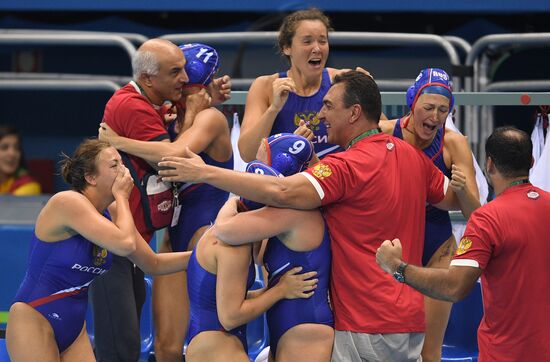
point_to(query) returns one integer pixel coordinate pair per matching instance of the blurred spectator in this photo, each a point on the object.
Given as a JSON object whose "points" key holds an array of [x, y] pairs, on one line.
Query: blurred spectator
{"points": [[14, 177]]}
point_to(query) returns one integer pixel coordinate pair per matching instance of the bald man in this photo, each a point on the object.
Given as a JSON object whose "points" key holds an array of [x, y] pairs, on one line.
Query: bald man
{"points": [[136, 111]]}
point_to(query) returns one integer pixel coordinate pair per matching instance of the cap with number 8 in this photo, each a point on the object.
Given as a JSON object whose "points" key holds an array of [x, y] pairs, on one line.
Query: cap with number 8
{"points": [[259, 168]]}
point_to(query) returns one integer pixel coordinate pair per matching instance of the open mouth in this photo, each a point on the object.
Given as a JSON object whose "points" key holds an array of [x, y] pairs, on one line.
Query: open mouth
{"points": [[430, 127], [315, 62]]}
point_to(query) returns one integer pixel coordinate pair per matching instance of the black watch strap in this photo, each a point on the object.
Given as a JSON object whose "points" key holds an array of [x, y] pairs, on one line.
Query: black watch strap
{"points": [[399, 274]]}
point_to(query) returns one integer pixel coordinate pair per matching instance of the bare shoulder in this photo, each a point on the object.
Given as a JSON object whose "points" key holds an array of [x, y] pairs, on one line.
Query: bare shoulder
{"points": [[234, 253], [59, 211], [66, 199], [265, 80], [454, 141], [387, 126], [211, 115], [260, 90]]}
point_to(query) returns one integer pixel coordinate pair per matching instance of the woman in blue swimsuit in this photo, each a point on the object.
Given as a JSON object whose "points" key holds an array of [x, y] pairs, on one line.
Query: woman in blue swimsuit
{"points": [[75, 234], [299, 329], [431, 99]]}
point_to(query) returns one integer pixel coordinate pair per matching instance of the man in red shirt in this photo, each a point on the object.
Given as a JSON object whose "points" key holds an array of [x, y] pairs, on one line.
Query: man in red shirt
{"points": [[378, 186], [507, 248], [135, 111]]}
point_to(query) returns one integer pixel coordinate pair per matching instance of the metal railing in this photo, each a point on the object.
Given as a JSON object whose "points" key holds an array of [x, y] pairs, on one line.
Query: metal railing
{"points": [[479, 122], [135, 38], [336, 38], [59, 84], [120, 80], [461, 98], [71, 39]]}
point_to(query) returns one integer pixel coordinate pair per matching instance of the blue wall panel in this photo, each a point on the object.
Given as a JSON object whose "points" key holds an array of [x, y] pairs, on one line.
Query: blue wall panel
{"points": [[254, 5], [14, 246]]}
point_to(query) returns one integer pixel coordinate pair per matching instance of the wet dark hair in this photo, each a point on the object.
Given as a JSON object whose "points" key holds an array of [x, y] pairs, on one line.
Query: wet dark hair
{"points": [[361, 89], [83, 162], [290, 24], [511, 150]]}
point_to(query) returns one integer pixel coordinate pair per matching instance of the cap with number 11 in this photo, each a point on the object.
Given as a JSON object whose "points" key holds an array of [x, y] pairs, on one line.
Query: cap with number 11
{"points": [[202, 62]]}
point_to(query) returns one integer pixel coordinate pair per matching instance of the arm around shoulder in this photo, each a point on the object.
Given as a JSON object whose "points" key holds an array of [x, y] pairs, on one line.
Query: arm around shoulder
{"points": [[209, 124]]}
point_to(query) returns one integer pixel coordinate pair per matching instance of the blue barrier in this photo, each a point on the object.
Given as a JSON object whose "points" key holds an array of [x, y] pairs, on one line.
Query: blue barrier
{"points": [[4, 357], [257, 334], [460, 343], [14, 246], [146, 323]]}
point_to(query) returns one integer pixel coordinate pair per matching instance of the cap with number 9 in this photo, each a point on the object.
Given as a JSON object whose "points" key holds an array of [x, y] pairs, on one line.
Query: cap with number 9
{"points": [[202, 62], [288, 153]]}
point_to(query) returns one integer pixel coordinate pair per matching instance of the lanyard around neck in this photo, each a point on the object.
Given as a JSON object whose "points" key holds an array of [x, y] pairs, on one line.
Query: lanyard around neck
{"points": [[365, 134]]}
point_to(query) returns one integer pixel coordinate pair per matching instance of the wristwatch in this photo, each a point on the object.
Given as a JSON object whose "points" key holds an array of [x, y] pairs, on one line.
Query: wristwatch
{"points": [[399, 274]]}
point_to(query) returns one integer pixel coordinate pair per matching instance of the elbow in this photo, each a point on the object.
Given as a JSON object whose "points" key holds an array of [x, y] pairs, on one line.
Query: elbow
{"points": [[228, 323], [279, 200], [457, 294], [173, 152], [246, 156], [245, 150], [128, 247], [283, 197], [223, 233]]}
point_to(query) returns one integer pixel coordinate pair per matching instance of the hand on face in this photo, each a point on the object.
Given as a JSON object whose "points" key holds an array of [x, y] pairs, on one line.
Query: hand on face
{"points": [[198, 101], [123, 184], [388, 255], [297, 285], [281, 88], [190, 168]]}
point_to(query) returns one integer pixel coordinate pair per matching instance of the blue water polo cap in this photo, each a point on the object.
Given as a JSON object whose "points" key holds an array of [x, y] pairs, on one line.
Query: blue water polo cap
{"points": [[260, 168], [288, 153], [202, 63], [432, 81]]}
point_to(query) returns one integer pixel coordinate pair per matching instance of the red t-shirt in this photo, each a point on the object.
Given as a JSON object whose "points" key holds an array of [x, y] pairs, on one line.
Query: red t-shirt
{"points": [[508, 239], [375, 190], [131, 115]]}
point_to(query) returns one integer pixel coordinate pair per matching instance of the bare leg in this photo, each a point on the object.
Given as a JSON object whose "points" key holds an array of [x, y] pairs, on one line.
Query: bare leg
{"points": [[307, 343], [215, 346], [437, 311], [29, 336], [171, 309], [81, 349], [170, 312]]}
